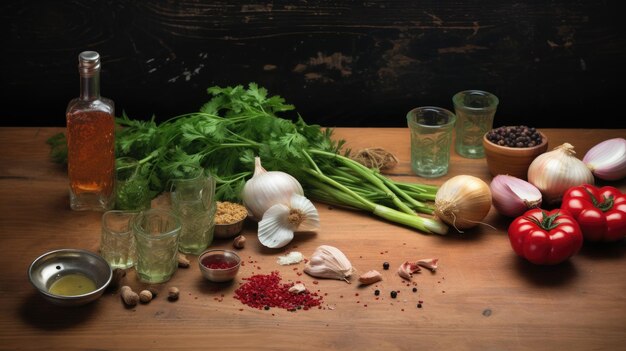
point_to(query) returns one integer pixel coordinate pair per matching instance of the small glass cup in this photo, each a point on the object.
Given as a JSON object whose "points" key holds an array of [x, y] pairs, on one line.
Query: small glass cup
{"points": [[431, 137], [132, 192], [193, 201], [475, 110], [117, 243], [156, 234]]}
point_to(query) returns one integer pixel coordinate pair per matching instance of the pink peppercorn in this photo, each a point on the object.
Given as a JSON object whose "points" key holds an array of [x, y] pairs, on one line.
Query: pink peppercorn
{"points": [[267, 290]]}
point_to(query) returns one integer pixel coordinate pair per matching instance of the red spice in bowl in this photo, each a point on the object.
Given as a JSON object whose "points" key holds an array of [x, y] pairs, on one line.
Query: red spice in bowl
{"points": [[219, 265]]}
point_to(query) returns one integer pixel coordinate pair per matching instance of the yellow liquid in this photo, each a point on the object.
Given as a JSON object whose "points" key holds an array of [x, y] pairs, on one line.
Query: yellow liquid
{"points": [[72, 284]]}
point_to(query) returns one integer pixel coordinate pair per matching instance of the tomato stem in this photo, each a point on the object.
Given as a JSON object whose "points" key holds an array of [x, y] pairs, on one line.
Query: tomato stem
{"points": [[547, 222], [605, 205]]}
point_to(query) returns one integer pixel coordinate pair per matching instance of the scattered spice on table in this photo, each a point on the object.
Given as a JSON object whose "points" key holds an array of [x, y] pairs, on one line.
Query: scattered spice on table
{"points": [[263, 290]]}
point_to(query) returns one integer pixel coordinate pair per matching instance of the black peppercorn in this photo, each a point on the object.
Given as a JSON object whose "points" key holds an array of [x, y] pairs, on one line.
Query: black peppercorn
{"points": [[414, 289], [385, 265], [376, 292], [515, 136], [394, 294]]}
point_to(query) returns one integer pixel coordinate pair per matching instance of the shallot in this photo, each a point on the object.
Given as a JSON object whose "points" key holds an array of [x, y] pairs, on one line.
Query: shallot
{"points": [[607, 160], [512, 196]]}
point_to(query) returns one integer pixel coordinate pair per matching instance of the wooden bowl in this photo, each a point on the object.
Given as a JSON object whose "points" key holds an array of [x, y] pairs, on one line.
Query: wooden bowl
{"points": [[513, 161]]}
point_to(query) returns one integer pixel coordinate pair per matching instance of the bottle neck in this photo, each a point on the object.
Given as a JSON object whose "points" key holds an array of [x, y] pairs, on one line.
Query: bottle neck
{"points": [[90, 86]]}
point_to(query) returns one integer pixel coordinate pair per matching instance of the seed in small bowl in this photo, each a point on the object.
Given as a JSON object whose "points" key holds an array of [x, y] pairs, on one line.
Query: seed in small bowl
{"points": [[229, 218]]}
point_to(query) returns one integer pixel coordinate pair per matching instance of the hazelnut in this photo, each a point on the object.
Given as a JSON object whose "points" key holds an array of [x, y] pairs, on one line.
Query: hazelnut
{"points": [[145, 296], [239, 242], [172, 293]]}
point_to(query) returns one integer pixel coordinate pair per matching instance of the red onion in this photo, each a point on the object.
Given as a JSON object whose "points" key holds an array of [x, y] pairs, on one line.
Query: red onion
{"points": [[513, 196], [607, 160]]}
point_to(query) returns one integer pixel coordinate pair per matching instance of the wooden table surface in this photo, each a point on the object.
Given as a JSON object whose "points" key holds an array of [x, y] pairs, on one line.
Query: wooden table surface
{"points": [[482, 297]]}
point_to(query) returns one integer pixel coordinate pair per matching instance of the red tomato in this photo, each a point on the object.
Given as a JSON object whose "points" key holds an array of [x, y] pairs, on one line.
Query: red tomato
{"points": [[544, 237], [600, 212]]}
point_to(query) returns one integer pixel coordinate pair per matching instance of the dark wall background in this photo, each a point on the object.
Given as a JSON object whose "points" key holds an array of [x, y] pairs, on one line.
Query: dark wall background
{"points": [[342, 63]]}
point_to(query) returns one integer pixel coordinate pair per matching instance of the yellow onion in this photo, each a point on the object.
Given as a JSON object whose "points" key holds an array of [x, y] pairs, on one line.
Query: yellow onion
{"points": [[463, 201], [556, 171]]}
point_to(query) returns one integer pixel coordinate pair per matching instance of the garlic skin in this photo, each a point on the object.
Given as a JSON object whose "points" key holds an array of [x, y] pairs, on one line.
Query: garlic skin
{"points": [[407, 269], [329, 262], [607, 160], [429, 263], [512, 196], [556, 171], [281, 221], [266, 189]]}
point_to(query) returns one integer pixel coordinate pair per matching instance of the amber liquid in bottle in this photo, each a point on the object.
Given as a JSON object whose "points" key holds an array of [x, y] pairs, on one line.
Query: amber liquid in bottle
{"points": [[91, 141]]}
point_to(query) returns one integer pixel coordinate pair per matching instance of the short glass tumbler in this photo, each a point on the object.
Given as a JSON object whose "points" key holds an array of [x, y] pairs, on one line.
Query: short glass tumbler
{"points": [[193, 201], [117, 242], [431, 137], [475, 110], [156, 234]]}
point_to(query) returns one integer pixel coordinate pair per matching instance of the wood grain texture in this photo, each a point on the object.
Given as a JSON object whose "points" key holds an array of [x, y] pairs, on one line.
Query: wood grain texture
{"points": [[482, 297], [342, 63]]}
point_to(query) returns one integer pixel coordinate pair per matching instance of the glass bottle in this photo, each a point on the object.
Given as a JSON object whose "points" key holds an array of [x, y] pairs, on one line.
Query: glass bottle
{"points": [[90, 141]]}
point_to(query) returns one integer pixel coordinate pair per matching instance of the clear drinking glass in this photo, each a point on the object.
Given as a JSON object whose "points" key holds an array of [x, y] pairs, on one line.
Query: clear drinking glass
{"points": [[193, 201], [131, 189], [156, 234], [117, 243], [475, 110], [431, 137]]}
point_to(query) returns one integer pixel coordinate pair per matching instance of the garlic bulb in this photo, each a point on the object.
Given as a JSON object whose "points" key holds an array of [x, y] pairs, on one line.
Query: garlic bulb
{"points": [[281, 221], [463, 201], [329, 262], [266, 189], [556, 171], [607, 160]]}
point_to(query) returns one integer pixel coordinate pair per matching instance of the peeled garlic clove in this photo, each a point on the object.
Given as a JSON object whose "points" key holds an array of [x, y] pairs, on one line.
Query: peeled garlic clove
{"points": [[407, 269], [273, 231], [329, 262], [297, 288], [370, 277], [429, 263]]}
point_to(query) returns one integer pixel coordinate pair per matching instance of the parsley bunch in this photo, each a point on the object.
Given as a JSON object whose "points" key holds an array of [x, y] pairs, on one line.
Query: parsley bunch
{"points": [[239, 123]]}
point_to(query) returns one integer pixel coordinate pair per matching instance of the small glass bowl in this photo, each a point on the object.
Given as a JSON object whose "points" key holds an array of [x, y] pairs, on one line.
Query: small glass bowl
{"points": [[230, 259]]}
